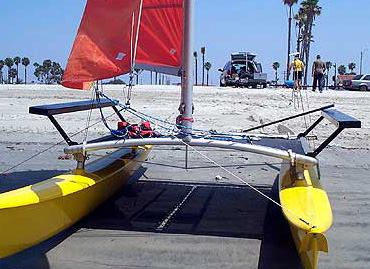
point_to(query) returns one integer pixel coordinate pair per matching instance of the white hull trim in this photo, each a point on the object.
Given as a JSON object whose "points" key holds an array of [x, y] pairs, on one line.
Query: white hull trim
{"points": [[195, 142]]}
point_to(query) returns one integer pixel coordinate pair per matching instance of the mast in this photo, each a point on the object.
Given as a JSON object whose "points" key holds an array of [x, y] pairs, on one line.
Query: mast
{"points": [[187, 86]]}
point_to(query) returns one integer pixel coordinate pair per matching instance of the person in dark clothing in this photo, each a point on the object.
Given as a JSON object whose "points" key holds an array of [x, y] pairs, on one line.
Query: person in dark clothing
{"points": [[318, 69]]}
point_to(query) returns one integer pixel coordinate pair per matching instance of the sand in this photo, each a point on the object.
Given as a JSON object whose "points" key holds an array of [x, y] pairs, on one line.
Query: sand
{"points": [[344, 167]]}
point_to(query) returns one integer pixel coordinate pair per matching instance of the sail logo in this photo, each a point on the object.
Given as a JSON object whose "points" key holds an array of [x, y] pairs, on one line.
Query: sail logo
{"points": [[120, 56], [173, 51]]}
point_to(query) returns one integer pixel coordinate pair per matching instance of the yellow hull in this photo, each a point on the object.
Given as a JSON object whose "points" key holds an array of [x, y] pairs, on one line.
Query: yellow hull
{"points": [[306, 206], [34, 213]]}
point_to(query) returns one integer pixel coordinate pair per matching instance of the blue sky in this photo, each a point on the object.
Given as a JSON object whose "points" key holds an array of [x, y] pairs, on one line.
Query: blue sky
{"points": [[45, 29]]}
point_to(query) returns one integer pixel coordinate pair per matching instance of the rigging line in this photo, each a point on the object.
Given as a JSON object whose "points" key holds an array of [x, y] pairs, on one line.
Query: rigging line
{"points": [[129, 88], [132, 34], [246, 183], [310, 118], [116, 133], [144, 116], [89, 113], [52, 146], [134, 50], [137, 34]]}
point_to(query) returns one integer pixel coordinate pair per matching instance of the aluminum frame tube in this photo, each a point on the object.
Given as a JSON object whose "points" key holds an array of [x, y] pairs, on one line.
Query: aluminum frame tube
{"points": [[195, 142]]}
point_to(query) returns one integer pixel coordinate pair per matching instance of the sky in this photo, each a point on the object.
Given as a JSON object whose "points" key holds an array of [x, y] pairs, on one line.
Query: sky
{"points": [[45, 29]]}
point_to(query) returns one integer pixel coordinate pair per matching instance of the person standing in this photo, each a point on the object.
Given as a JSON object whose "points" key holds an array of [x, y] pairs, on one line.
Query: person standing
{"points": [[298, 67], [318, 69]]}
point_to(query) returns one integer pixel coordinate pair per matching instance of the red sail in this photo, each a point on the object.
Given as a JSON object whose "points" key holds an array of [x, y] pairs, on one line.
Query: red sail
{"points": [[161, 36], [107, 34]]}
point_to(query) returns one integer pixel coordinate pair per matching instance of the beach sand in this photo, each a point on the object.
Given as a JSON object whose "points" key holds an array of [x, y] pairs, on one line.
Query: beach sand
{"points": [[230, 230]]}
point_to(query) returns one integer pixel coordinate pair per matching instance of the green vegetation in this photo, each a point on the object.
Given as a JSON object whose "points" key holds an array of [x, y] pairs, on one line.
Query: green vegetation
{"points": [[328, 66], [25, 62], [342, 69], [1, 71], [305, 18], [276, 66], [9, 62], [17, 61], [208, 67], [196, 66], [352, 66], [203, 52], [289, 3], [116, 81], [49, 72]]}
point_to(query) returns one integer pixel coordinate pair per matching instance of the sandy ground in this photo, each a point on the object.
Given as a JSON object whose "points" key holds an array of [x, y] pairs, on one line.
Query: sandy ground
{"points": [[230, 232]]}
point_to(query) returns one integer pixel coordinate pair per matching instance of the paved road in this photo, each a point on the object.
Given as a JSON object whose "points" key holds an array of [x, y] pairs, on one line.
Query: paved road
{"points": [[203, 218], [176, 218]]}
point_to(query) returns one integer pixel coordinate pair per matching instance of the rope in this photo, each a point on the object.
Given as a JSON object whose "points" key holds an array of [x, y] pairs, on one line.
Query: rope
{"points": [[133, 51], [151, 119], [249, 185], [89, 115], [49, 148], [116, 133], [137, 35]]}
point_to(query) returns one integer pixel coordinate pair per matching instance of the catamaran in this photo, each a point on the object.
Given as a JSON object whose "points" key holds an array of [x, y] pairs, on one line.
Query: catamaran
{"points": [[115, 38]]}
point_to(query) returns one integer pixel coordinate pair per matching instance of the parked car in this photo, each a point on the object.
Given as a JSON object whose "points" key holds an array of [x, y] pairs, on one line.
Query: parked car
{"points": [[359, 82], [242, 71]]}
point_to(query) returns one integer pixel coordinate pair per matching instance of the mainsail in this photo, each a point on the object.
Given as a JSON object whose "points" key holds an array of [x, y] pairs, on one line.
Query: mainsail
{"points": [[111, 33]]}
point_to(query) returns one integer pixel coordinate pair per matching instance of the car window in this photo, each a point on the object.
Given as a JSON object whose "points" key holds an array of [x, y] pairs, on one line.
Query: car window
{"points": [[227, 66], [238, 66], [358, 77], [367, 77]]}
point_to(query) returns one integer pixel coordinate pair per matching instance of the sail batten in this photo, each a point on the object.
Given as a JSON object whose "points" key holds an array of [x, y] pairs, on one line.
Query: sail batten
{"points": [[116, 36]]}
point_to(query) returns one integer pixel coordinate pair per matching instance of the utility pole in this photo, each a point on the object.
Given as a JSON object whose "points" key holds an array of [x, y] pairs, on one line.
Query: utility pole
{"points": [[203, 51], [335, 75], [289, 37], [196, 67], [362, 54]]}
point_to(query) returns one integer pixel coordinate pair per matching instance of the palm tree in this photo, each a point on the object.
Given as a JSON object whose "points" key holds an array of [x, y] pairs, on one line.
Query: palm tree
{"points": [[196, 66], [309, 9], [276, 66], [9, 63], [17, 61], [1, 70], [203, 51], [328, 66], [301, 20], [13, 74], [25, 62], [341, 69], [208, 67], [289, 3], [352, 66]]}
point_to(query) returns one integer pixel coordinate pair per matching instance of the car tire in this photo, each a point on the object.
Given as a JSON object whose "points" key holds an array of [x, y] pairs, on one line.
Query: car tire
{"points": [[363, 88]]}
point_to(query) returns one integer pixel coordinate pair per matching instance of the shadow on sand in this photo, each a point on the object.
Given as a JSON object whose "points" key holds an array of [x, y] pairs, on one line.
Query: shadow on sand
{"points": [[222, 210]]}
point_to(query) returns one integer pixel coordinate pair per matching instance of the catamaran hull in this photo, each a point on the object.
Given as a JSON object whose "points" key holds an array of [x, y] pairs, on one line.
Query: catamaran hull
{"points": [[306, 207], [34, 213]]}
